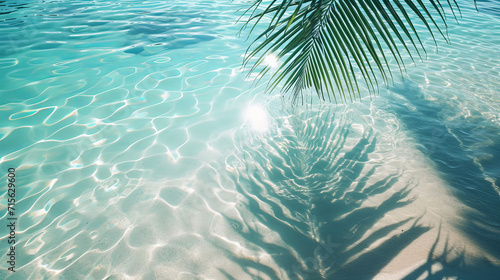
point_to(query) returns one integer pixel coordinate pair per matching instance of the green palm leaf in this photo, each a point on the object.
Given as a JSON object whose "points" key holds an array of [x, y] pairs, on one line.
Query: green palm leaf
{"points": [[326, 46]]}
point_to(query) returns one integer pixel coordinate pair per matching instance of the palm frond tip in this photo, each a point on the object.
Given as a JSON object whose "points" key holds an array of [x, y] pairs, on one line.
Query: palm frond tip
{"points": [[327, 45]]}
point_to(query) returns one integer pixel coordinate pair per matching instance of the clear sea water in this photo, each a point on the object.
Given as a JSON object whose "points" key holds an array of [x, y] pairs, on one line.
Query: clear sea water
{"points": [[143, 151]]}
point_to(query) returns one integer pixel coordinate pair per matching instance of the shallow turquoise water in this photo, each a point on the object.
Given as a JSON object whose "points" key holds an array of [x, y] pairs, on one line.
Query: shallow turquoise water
{"points": [[141, 149]]}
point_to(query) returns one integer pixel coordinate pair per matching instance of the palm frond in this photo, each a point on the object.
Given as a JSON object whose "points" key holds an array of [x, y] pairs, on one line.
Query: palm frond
{"points": [[328, 45]]}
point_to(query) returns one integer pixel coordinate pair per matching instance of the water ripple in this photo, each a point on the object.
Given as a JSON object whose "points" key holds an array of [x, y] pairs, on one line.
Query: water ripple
{"points": [[129, 128]]}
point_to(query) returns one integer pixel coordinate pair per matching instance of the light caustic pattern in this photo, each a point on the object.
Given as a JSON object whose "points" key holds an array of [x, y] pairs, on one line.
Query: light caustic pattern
{"points": [[143, 150]]}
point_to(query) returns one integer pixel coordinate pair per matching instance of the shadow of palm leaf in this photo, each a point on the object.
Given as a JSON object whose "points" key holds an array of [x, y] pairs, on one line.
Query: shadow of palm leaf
{"points": [[314, 200], [452, 148]]}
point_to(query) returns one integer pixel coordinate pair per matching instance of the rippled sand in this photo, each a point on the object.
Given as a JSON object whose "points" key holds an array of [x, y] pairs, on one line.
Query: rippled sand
{"points": [[144, 152]]}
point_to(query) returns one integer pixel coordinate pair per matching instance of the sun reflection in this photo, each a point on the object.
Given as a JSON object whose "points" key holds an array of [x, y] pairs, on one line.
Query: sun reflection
{"points": [[271, 60], [257, 117]]}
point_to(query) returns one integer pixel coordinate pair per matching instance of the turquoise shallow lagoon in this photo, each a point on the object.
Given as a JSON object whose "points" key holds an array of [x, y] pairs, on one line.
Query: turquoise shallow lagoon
{"points": [[143, 151]]}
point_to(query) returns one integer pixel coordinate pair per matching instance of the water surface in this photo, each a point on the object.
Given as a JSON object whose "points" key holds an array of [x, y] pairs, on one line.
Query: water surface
{"points": [[143, 151]]}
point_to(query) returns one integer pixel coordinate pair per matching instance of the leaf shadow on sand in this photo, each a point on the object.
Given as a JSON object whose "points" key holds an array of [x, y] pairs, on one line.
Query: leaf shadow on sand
{"points": [[447, 264], [453, 148], [313, 197]]}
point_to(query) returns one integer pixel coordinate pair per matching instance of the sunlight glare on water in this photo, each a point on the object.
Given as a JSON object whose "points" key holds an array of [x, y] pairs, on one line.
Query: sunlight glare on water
{"points": [[272, 61], [257, 117]]}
